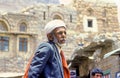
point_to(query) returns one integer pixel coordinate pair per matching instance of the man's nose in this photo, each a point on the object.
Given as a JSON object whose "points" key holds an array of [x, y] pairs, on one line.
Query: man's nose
{"points": [[64, 35]]}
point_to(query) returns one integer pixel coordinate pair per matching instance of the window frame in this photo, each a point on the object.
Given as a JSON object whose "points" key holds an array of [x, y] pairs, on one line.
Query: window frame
{"points": [[94, 27], [3, 45], [24, 44]]}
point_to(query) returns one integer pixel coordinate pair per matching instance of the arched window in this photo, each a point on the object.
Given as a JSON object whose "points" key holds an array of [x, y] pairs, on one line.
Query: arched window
{"points": [[23, 27], [90, 11], [57, 17], [3, 26]]}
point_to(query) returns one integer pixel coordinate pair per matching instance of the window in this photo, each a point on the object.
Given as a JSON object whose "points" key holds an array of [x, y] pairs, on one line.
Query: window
{"points": [[104, 13], [3, 26], [23, 44], [4, 43], [104, 23], [90, 23], [44, 17], [23, 27], [70, 18]]}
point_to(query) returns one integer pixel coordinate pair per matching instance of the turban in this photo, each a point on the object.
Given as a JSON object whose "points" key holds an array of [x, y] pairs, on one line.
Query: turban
{"points": [[50, 26]]}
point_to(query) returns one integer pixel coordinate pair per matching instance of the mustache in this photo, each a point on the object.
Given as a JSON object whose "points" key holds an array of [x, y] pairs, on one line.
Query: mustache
{"points": [[63, 39]]}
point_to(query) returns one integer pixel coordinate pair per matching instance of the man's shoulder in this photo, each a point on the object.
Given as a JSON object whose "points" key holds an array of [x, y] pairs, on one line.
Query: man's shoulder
{"points": [[46, 44]]}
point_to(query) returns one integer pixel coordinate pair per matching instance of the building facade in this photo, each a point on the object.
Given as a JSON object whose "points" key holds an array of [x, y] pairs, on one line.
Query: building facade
{"points": [[21, 33], [98, 34], [93, 31]]}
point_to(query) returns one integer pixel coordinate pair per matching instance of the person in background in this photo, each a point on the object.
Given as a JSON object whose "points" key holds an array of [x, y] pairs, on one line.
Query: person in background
{"points": [[49, 60], [96, 73]]}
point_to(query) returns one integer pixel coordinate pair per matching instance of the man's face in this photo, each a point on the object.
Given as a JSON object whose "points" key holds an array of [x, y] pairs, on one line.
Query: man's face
{"points": [[97, 75], [60, 35]]}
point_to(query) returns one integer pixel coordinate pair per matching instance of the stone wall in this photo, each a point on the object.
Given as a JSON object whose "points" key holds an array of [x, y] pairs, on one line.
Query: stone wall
{"points": [[105, 21], [105, 14]]}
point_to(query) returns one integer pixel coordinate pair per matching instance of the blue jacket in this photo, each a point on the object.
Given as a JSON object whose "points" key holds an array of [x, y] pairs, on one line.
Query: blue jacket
{"points": [[46, 63]]}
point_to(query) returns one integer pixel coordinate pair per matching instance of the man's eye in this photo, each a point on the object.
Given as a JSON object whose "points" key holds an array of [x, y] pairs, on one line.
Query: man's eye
{"points": [[61, 32], [98, 75]]}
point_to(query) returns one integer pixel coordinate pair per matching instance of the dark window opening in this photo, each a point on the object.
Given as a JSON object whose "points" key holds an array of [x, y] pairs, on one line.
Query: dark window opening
{"points": [[70, 18], [90, 23], [44, 15]]}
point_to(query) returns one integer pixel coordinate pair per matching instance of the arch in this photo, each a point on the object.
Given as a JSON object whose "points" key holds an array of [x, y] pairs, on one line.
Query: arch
{"points": [[22, 25], [57, 15], [90, 11], [4, 25]]}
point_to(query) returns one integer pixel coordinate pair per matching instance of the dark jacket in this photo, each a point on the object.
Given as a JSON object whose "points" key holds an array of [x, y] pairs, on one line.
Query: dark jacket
{"points": [[46, 63]]}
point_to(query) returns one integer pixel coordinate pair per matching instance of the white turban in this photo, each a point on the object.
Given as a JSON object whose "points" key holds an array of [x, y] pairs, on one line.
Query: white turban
{"points": [[50, 26]]}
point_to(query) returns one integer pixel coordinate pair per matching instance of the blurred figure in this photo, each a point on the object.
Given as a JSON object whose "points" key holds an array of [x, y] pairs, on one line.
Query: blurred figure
{"points": [[96, 73]]}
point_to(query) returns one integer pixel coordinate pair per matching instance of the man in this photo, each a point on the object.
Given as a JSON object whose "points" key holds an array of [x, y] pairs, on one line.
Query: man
{"points": [[96, 73], [49, 61]]}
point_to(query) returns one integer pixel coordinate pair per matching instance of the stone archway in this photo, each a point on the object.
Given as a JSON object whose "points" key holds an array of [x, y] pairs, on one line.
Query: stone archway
{"points": [[57, 15], [23, 24], [3, 26]]}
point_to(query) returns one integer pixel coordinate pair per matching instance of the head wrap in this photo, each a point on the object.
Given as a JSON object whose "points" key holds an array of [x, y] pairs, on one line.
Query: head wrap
{"points": [[50, 26], [96, 70]]}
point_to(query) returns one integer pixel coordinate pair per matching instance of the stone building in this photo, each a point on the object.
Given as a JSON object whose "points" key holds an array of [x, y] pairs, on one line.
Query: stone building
{"points": [[97, 34], [93, 31], [16, 40]]}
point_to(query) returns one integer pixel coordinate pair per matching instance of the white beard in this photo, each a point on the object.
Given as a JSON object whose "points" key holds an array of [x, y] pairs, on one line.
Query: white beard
{"points": [[56, 42]]}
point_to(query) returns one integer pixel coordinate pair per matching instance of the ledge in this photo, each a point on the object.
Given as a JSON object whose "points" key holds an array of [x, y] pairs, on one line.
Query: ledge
{"points": [[11, 75]]}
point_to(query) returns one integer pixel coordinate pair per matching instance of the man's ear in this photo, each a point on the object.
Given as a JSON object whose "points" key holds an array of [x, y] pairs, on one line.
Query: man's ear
{"points": [[50, 37]]}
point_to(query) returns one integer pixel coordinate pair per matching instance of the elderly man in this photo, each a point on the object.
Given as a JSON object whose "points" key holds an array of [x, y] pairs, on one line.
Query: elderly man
{"points": [[96, 73], [48, 60]]}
